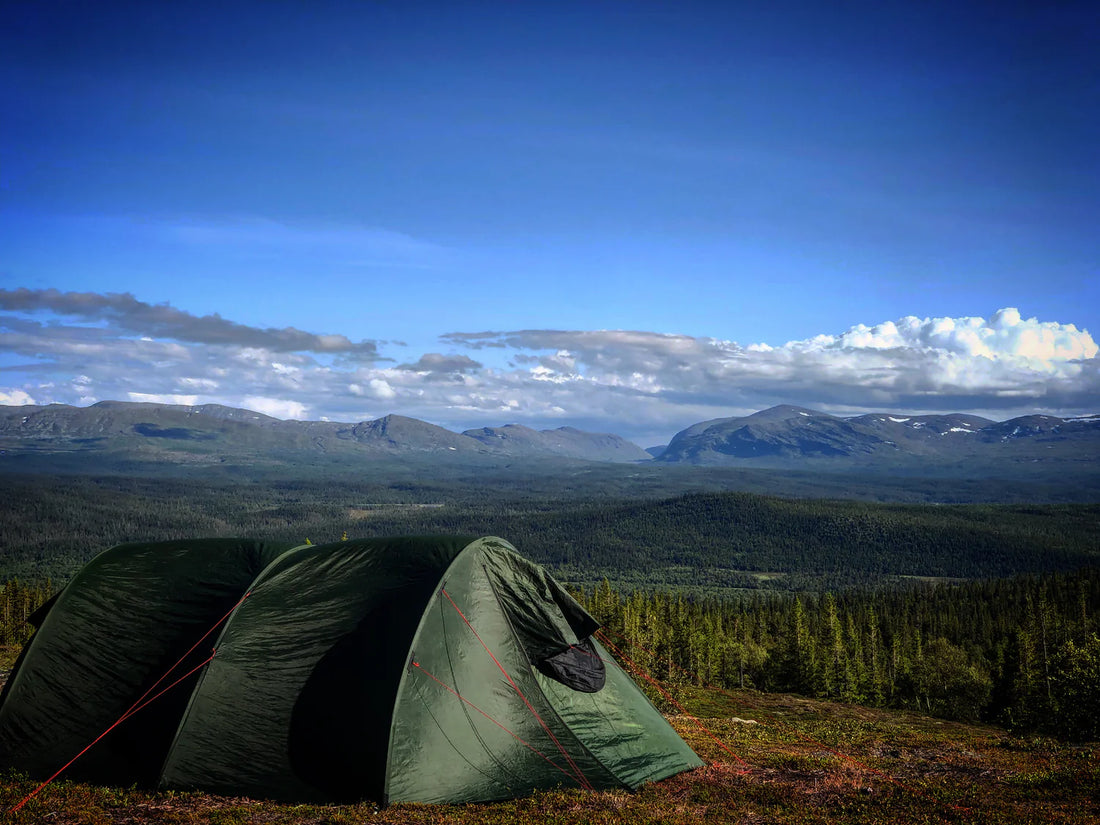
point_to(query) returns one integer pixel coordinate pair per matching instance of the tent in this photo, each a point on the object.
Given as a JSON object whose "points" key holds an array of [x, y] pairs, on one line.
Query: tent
{"points": [[410, 669]]}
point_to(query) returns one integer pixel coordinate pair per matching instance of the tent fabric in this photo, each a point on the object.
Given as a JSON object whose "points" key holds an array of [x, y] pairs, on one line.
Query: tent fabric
{"points": [[121, 622], [408, 669]]}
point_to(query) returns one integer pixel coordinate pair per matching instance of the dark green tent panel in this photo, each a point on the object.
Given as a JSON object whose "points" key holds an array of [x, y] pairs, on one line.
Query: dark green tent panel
{"points": [[120, 624], [428, 669]]}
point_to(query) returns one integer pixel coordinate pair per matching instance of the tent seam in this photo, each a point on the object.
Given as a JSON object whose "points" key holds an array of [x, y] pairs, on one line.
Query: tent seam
{"points": [[454, 747]]}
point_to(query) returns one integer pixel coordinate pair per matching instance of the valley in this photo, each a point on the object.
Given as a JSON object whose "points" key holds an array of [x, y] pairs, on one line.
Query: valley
{"points": [[765, 588]]}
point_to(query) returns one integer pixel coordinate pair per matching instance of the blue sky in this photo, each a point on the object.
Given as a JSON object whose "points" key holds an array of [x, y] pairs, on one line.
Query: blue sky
{"points": [[619, 216]]}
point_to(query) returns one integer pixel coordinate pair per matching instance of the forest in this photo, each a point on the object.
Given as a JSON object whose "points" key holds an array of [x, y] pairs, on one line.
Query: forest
{"points": [[966, 611], [1023, 652], [700, 542]]}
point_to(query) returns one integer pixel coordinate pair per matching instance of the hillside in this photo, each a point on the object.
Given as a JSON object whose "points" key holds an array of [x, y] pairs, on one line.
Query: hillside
{"points": [[789, 436], [50, 525], [142, 438], [771, 759], [139, 433]]}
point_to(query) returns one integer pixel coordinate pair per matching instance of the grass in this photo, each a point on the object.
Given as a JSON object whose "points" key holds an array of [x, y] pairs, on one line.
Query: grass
{"points": [[805, 762]]}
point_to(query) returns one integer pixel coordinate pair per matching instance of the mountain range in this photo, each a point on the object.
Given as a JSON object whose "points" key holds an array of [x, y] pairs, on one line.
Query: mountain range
{"points": [[784, 437], [189, 434]]}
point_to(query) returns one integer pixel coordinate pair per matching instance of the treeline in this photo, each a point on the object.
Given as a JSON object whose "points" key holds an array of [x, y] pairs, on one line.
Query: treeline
{"points": [[1023, 652], [18, 600]]}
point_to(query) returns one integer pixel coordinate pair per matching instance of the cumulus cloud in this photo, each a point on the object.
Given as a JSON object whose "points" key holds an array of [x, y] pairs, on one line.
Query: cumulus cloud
{"points": [[126, 313], [374, 388], [1005, 336], [275, 407], [15, 398], [1003, 362], [636, 383]]}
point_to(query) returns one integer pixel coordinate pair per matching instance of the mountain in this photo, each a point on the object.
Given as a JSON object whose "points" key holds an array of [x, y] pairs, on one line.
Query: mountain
{"points": [[399, 433], [787, 436], [515, 439], [124, 436], [138, 433]]}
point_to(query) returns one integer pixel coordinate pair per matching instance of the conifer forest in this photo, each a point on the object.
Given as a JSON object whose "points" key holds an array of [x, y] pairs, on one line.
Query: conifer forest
{"points": [[970, 612]]}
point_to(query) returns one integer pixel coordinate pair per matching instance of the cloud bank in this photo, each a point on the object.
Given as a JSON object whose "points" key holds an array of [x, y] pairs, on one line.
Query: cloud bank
{"points": [[124, 313], [644, 385]]}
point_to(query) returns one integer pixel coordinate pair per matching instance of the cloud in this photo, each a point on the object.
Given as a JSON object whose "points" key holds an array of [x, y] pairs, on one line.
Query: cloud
{"points": [[640, 384], [1004, 337], [163, 398], [435, 362], [374, 388], [14, 398], [1005, 361], [261, 237], [276, 407], [125, 313]]}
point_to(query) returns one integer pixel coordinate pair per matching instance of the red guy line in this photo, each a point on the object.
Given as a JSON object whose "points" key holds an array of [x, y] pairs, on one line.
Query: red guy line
{"points": [[806, 737], [580, 774], [638, 669], [141, 702], [134, 709], [185, 655], [518, 738]]}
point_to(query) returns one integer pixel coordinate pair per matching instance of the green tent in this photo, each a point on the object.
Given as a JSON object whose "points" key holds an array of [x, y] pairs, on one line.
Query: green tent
{"points": [[426, 669]]}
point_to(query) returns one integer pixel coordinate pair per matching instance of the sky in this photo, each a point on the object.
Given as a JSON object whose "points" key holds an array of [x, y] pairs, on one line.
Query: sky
{"points": [[625, 217]]}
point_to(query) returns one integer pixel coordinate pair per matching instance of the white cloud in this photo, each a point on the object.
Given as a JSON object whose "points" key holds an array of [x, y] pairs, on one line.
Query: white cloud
{"points": [[203, 384], [374, 388], [1005, 336], [334, 242], [380, 388], [14, 398], [909, 363], [275, 407], [163, 398], [608, 380]]}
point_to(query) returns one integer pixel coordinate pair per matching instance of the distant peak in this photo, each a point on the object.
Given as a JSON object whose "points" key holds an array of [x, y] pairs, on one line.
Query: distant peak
{"points": [[788, 411]]}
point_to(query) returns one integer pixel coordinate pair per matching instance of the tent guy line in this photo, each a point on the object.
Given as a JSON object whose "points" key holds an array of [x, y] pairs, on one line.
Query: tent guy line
{"points": [[141, 702], [579, 773], [744, 769], [511, 733]]}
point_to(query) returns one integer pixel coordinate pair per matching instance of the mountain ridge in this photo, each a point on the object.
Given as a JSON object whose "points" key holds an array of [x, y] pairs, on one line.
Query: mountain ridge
{"points": [[781, 437], [172, 429]]}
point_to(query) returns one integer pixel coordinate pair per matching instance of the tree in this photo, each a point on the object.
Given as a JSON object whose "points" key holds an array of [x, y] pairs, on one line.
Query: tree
{"points": [[946, 684], [1076, 690]]}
